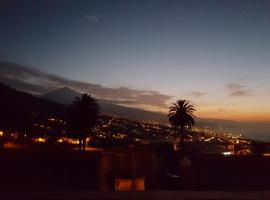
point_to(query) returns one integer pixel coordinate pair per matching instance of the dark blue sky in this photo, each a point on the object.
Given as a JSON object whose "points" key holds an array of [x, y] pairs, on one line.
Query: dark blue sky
{"points": [[216, 51]]}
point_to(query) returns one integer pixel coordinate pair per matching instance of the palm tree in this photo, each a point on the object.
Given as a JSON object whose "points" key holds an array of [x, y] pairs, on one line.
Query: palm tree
{"points": [[181, 117], [83, 117]]}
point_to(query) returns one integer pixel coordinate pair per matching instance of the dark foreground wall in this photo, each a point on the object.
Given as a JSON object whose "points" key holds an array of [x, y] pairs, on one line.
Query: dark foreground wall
{"points": [[53, 170], [150, 195], [73, 170], [231, 173]]}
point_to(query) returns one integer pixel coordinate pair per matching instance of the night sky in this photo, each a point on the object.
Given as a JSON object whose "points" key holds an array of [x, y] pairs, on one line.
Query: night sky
{"points": [[214, 53]]}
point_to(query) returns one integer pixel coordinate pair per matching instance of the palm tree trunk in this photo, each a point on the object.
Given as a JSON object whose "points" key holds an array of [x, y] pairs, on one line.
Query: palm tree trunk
{"points": [[84, 143], [80, 144], [182, 140]]}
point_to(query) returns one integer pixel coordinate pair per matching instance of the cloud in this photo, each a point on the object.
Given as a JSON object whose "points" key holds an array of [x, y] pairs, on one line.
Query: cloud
{"points": [[197, 93], [237, 90], [240, 93], [92, 18], [222, 110], [38, 82]]}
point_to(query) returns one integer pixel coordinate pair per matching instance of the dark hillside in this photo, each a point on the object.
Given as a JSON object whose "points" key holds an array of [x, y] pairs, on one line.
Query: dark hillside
{"points": [[20, 109]]}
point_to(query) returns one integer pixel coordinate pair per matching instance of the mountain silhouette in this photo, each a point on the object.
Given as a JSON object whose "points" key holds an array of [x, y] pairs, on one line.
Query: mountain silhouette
{"points": [[19, 109], [66, 95], [16, 105], [63, 95]]}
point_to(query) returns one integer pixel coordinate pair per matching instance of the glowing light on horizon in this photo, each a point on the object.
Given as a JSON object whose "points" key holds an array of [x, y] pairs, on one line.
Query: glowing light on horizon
{"points": [[40, 140]]}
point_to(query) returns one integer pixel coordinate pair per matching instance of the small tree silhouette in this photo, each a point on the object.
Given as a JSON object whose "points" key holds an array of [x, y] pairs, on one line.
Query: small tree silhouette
{"points": [[82, 118], [181, 117]]}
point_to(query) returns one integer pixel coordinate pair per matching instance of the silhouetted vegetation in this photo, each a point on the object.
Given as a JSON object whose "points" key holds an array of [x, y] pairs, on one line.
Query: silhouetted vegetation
{"points": [[181, 117], [83, 117]]}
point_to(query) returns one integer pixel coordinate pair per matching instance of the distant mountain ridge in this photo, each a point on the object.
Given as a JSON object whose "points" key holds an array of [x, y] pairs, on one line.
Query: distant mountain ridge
{"points": [[23, 103], [63, 95], [66, 95], [20, 109]]}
